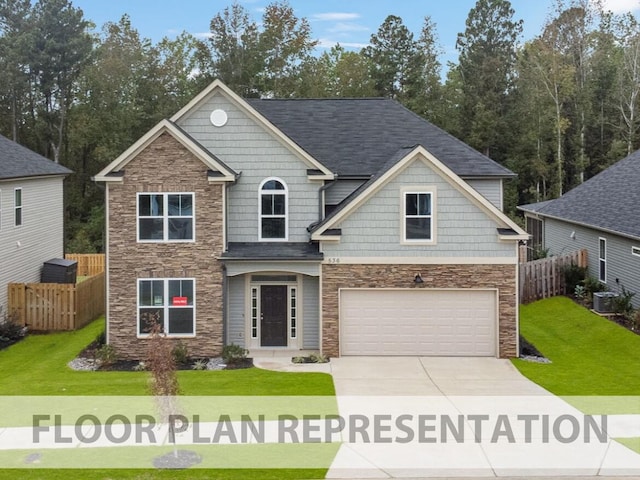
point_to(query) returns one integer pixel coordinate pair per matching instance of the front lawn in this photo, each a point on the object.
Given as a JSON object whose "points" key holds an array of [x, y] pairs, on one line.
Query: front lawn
{"points": [[38, 366], [590, 355]]}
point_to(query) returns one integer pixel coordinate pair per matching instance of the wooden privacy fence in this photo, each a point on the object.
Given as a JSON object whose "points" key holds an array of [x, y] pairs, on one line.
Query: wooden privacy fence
{"points": [[61, 306], [88, 264], [58, 306], [544, 278]]}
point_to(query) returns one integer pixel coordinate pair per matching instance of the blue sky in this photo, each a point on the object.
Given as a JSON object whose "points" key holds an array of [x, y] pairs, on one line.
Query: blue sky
{"points": [[350, 22]]}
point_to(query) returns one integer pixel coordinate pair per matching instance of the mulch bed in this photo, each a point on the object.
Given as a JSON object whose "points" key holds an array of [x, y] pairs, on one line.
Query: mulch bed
{"points": [[91, 352]]}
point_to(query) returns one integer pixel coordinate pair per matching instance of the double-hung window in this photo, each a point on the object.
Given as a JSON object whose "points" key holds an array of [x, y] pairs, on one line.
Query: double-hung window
{"points": [[17, 206], [273, 210], [165, 217], [169, 302], [417, 223]]}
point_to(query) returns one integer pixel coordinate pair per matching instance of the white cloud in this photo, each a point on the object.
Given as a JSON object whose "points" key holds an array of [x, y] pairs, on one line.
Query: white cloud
{"points": [[328, 44], [203, 35], [622, 6], [334, 16], [341, 27]]}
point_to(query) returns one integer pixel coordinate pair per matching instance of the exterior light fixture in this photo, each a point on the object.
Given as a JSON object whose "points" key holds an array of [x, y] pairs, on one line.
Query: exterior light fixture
{"points": [[418, 279]]}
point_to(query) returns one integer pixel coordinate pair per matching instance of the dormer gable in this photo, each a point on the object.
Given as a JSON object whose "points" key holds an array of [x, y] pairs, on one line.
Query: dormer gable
{"points": [[217, 170]]}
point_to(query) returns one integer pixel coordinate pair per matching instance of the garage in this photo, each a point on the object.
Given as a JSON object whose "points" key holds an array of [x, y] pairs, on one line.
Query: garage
{"points": [[418, 322]]}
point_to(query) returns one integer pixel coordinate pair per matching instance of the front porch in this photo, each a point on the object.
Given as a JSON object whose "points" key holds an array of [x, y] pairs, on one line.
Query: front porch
{"points": [[272, 298]]}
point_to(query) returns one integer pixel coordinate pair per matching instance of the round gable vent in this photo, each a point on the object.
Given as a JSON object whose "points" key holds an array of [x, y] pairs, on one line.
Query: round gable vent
{"points": [[218, 118]]}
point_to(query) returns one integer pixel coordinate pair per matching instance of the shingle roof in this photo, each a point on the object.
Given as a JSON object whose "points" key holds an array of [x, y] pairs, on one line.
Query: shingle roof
{"points": [[534, 207], [358, 136], [395, 158], [609, 201], [17, 161], [272, 251]]}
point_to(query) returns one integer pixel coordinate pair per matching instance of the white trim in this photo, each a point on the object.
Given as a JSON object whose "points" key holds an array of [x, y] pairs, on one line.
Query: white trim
{"points": [[635, 251], [0, 209], [430, 190], [284, 193], [420, 153], [602, 260], [165, 217], [17, 207], [420, 260], [255, 343], [217, 87], [164, 126], [165, 307]]}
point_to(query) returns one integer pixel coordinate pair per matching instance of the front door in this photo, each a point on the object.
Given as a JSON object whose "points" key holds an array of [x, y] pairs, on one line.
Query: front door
{"points": [[273, 319]]}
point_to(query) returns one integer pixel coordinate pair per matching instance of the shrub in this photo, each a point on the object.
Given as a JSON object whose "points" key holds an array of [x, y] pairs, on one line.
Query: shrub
{"points": [[234, 353], [580, 293], [199, 365], [622, 304], [140, 367], [574, 275], [107, 355], [593, 285], [180, 353], [318, 358], [11, 330]]}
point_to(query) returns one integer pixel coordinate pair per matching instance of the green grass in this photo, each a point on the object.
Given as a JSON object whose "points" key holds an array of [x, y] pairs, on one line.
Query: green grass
{"points": [[38, 366], [591, 355]]}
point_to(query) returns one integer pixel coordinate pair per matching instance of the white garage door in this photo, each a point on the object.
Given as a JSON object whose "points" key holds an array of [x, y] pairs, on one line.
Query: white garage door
{"points": [[418, 322]]}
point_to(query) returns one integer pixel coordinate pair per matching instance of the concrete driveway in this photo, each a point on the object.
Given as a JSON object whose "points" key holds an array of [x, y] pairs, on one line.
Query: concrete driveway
{"points": [[406, 403]]}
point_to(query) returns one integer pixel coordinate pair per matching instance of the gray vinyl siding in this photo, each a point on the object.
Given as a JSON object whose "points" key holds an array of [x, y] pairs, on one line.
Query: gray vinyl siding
{"points": [[339, 190], [490, 188], [251, 150], [236, 311], [311, 306], [374, 229], [24, 249], [621, 264]]}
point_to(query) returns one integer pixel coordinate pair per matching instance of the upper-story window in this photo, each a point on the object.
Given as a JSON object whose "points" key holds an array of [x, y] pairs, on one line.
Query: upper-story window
{"points": [[273, 210], [165, 217], [418, 221], [17, 203]]}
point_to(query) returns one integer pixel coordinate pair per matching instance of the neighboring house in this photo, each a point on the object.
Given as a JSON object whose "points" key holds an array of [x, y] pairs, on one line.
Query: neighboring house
{"points": [[601, 215], [31, 215], [350, 226]]}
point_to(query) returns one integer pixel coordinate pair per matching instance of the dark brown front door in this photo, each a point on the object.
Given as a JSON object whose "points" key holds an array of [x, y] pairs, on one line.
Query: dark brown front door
{"points": [[273, 321]]}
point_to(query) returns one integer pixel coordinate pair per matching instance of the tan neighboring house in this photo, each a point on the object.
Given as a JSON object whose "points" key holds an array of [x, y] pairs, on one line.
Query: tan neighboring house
{"points": [[31, 215], [349, 226]]}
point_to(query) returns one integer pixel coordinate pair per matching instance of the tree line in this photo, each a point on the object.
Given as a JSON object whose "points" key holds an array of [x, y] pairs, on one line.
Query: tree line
{"points": [[556, 109]]}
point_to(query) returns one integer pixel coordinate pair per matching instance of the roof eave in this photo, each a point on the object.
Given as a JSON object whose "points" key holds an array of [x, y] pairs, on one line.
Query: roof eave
{"points": [[587, 225]]}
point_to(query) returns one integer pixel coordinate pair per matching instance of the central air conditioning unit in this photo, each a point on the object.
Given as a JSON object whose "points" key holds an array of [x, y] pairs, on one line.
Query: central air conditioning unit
{"points": [[603, 302]]}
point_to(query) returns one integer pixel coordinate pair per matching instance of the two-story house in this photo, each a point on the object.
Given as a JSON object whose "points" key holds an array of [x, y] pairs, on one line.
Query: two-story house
{"points": [[31, 215], [350, 226]]}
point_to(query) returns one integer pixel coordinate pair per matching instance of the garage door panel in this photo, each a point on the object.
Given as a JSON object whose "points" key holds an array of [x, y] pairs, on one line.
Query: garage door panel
{"points": [[418, 322]]}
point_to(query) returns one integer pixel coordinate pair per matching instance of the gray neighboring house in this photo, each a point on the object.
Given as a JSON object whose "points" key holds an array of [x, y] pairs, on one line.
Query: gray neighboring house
{"points": [[31, 215], [350, 226], [603, 216]]}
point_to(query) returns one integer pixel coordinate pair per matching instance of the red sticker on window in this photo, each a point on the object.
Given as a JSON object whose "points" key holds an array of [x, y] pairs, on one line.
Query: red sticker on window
{"points": [[179, 301]]}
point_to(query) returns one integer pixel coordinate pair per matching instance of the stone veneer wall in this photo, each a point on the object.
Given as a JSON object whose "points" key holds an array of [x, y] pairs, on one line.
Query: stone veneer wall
{"points": [[165, 166], [502, 277]]}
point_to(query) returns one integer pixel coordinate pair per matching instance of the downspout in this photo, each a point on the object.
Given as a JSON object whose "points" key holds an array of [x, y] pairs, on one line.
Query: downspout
{"points": [[321, 197]]}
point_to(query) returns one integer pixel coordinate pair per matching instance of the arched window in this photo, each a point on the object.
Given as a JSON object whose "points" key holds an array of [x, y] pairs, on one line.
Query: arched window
{"points": [[273, 210]]}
